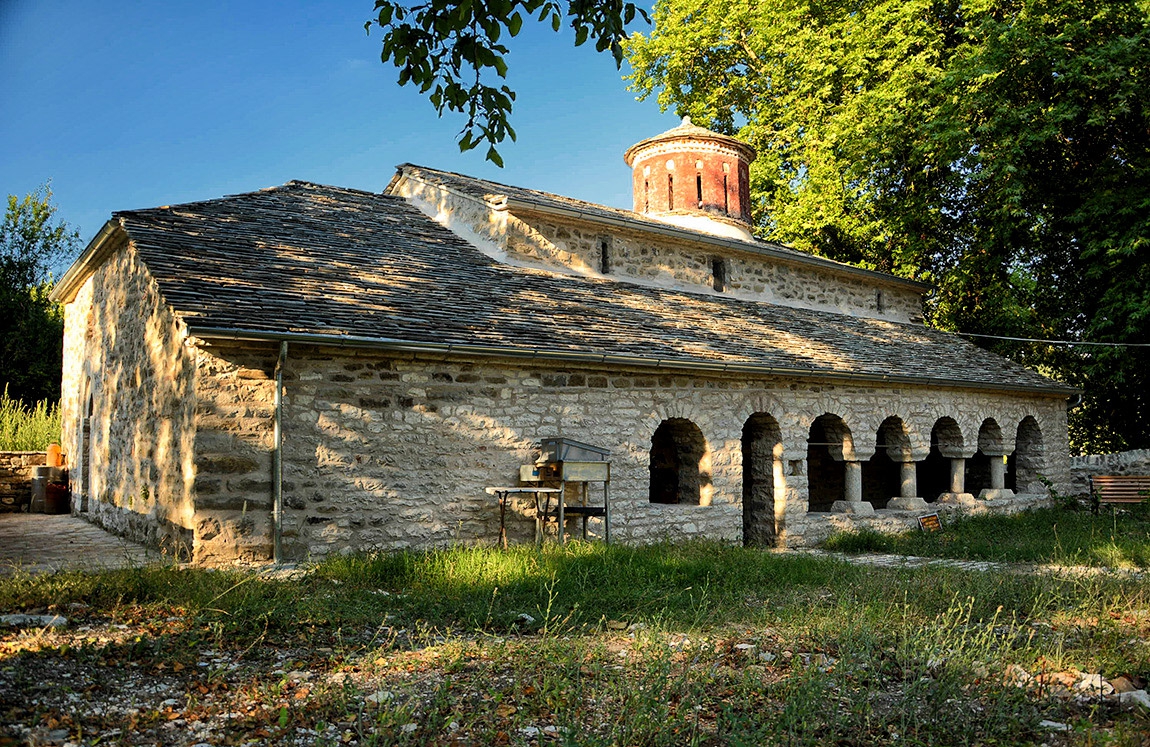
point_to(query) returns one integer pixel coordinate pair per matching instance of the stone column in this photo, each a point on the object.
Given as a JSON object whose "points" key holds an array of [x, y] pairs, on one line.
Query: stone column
{"points": [[958, 475], [957, 494], [997, 473], [852, 502], [909, 485], [997, 489], [852, 482], [907, 499]]}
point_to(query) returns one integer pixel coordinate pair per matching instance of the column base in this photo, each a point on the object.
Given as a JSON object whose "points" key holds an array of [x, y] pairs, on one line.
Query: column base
{"points": [[858, 508], [907, 503], [996, 494], [958, 499]]}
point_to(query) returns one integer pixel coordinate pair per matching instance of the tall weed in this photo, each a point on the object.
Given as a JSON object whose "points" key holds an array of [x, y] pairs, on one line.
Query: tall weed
{"points": [[24, 428]]}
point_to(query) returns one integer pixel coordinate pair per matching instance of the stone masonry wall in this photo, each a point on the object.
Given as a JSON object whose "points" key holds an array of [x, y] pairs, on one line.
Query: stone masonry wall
{"points": [[387, 451], [574, 246], [1082, 468], [124, 352], [16, 478], [235, 413], [658, 259]]}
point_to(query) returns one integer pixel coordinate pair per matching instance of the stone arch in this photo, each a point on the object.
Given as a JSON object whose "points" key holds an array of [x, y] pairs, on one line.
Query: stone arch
{"points": [[1028, 461], [882, 473], [828, 442], [991, 445], [933, 473], [749, 406], [990, 440], [680, 464], [763, 480]]}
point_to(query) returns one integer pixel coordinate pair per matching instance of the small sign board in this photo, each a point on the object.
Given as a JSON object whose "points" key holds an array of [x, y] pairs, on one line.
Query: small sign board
{"points": [[930, 523]]}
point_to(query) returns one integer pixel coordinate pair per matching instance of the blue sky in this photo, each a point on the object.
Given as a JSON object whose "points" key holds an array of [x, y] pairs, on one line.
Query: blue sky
{"points": [[136, 104]]}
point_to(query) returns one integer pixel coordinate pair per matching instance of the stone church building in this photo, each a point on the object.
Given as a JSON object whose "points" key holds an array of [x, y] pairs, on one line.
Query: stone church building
{"points": [[426, 340]]}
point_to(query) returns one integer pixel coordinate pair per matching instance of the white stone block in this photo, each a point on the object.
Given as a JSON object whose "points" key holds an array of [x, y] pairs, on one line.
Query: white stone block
{"points": [[907, 504], [857, 508], [957, 499]]}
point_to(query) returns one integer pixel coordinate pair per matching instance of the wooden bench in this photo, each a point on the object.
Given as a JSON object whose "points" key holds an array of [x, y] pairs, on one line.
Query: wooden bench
{"points": [[1120, 488]]}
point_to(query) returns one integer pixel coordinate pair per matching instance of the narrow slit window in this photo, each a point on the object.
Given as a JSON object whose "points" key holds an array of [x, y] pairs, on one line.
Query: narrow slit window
{"points": [[719, 273], [646, 196], [605, 256], [726, 197], [699, 188], [879, 302], [670, 192]]}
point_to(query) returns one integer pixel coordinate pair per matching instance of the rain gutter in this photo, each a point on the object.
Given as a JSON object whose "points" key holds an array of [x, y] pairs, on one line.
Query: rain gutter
{"points": [[277, 459]]}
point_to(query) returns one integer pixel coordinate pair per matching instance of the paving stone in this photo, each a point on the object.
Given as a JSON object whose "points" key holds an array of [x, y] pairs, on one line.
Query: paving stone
{"points": [[39, 543], [983, 566]]}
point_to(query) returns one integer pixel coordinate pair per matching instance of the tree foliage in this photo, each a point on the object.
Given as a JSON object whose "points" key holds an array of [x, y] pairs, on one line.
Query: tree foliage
{"points": [[31, 326], [451, 50], [999, 149]]}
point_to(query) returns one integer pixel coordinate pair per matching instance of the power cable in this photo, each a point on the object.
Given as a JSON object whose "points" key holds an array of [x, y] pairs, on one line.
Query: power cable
{"points": [[1060, 342]]}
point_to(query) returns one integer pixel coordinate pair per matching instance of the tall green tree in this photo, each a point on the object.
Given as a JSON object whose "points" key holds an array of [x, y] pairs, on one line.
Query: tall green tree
{"points": [[32, 242], [999, 149]]}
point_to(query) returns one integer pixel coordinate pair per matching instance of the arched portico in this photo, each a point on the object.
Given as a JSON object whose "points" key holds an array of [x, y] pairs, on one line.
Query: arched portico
{"points": [[986, 470], [890, 477], [834, 474], [943, 471]]}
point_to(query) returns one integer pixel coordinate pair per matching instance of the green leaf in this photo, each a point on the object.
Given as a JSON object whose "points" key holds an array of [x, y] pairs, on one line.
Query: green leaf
{"points": [[494, 157], [515, 23]]}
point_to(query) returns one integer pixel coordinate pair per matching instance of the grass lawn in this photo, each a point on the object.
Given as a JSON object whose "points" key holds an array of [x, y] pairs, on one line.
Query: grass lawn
{"points": [[1114, 538], [584, 645]]}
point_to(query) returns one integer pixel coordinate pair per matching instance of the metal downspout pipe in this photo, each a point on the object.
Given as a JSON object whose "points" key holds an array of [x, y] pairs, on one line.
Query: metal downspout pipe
{"points": [[277, 458]]}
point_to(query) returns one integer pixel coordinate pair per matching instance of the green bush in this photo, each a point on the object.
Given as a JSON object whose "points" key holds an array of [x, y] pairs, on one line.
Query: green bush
{"points": [[24, 428]]}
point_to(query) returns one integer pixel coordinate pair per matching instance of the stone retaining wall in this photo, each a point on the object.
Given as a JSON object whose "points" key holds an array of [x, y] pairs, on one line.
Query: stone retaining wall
{"points": [[1135, 462], [16, 478]]}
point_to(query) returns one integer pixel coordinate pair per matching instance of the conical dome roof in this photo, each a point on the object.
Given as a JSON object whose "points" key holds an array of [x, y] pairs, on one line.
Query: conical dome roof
{"points": [[687, 130]]}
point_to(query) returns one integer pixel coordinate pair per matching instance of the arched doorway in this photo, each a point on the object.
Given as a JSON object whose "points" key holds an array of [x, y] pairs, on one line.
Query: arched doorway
{"points": [[826, 471], [679, 473], [762, 477]]}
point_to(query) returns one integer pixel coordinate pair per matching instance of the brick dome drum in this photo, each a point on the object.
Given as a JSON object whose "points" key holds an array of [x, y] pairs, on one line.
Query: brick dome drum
{"points": [[693, 177]]}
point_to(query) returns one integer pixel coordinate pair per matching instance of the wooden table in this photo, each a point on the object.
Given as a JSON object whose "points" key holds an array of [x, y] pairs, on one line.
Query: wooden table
{"points": [[540, 511]]}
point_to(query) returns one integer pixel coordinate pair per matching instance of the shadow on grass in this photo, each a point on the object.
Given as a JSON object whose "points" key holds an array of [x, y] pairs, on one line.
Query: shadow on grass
{"points": [[1118, 539]]}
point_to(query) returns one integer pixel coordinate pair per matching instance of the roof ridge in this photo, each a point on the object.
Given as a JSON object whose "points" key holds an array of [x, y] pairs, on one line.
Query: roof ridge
{"points": [[287, 186]]}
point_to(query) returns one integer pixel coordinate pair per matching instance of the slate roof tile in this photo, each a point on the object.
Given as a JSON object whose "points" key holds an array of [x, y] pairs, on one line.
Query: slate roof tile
{"points": [[306, 258]]}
